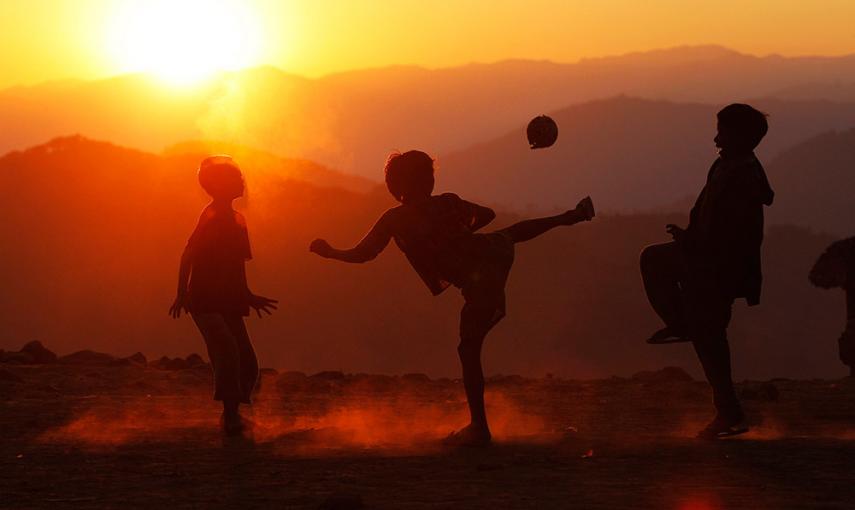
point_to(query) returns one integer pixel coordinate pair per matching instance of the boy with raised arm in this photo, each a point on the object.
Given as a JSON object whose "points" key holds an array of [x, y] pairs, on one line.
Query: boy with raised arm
{"points": [[437, 233]]}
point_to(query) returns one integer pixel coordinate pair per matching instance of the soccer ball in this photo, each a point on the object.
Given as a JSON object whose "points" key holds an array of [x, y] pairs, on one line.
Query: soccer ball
{"points": [[542, 132]]}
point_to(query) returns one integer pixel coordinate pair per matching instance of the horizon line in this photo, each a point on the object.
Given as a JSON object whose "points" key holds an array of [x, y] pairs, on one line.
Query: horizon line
{"points": [[311, 77]]}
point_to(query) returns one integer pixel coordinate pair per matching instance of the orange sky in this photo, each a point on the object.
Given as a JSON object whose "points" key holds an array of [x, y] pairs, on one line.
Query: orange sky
{"points": [[56, 39]]}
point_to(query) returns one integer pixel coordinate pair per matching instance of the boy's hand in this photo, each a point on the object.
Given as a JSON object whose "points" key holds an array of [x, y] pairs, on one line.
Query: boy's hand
{"points": [[262, 304], [585, 209], [676, 232], [179, 304], [321, 247]]}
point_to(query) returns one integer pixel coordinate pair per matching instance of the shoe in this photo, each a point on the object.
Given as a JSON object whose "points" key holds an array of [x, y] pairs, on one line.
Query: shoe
{"points": [[667, 336], [722, 427]]}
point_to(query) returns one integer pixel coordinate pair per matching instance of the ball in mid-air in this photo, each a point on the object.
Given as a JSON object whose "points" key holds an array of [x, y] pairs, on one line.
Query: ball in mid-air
{"points": [[542, 132]]}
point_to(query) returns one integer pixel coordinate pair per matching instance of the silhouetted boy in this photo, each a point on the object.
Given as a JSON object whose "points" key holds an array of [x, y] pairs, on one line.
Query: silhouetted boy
{"points": [[692, 282], [835, 268], [437, 235], [217, 296]]}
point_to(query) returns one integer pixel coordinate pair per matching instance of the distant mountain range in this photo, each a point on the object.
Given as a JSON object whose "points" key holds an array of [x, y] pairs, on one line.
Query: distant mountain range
{"points": [[638, 155], [92, 233], [351, 121]]}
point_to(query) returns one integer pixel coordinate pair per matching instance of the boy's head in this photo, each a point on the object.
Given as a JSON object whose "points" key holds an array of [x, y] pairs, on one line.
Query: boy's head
{"points": [[220, 177], [740, 128], [409, 176]]}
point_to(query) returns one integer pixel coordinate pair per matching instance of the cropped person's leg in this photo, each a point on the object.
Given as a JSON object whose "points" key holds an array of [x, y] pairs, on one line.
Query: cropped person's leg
{"points": [[662, 272], [248, 362]]}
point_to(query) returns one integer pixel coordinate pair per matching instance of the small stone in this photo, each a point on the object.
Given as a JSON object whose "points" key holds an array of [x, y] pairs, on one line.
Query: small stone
{"points": [[194, 361], [664, 375], [39, 353], [329, 375], [87, 357], [177, 364], [137, 358], [416, 378]]}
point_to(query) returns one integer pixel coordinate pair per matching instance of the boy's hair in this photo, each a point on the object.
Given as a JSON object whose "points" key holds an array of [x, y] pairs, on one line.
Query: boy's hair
{"points": [[213, 169], [409, 174], [746, 122]]}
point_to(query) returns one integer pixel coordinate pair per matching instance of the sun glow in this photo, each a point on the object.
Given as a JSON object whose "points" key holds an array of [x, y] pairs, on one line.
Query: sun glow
{"points": [[185, 41]]}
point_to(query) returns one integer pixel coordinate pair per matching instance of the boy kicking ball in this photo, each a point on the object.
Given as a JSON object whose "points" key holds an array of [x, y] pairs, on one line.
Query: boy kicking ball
{"points": [[437, 233]]}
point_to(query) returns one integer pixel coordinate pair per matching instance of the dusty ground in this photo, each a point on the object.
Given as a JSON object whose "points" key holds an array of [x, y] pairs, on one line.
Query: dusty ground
{"points": [[134, 436]]}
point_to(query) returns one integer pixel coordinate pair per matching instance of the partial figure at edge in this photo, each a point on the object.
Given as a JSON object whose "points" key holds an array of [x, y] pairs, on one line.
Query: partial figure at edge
{"points": [[835, 269]]}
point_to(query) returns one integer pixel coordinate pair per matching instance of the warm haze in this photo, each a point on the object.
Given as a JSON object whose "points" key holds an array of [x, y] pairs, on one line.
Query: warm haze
{"points": [[182, 40], [193, 316]]}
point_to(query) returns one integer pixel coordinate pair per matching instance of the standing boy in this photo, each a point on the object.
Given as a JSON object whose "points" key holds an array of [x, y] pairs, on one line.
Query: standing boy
{"points": [[692, 282], [437, 235], [212, 288]]}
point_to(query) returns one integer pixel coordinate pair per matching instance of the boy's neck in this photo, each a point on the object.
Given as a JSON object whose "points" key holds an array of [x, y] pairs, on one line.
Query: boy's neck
{"points": [[735, 153], [415, 200], [221, 204]]}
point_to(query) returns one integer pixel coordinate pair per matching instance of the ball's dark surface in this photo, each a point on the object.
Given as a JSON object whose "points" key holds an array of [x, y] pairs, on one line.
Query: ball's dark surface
{"points": [[542, 132]]}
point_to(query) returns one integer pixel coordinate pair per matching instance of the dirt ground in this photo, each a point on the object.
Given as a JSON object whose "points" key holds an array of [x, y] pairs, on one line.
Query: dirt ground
{"points": [[135, 436]]}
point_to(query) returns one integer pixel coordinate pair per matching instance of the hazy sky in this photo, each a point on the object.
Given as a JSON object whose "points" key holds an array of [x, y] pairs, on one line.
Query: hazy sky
{"points": [[55, 39]]}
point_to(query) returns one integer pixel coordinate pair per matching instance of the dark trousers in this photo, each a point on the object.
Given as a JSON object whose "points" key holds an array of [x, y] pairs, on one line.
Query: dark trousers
{"points": [[231, 354], [688, 299]]}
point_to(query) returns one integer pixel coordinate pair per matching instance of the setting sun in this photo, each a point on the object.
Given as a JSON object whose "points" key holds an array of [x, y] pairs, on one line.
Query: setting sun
{"points": [[184, 42]]}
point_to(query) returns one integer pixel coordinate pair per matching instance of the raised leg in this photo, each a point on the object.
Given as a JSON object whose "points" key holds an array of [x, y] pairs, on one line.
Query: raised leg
{"points": [[662, 272], [529, 229]]}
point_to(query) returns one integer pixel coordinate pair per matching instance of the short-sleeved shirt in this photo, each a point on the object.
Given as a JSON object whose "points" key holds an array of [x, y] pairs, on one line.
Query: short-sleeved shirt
{"points": [[435, 235], [219, 249]]}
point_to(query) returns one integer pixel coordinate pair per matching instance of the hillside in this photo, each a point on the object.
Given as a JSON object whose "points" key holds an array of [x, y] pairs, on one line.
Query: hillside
{"points": [[630, 154], [92, 233], [351, 121], [816, 182]]}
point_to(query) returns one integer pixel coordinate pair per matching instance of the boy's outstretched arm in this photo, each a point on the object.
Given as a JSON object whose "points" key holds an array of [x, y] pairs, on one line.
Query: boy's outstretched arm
{"points": [[181, 300], [368, 248]]}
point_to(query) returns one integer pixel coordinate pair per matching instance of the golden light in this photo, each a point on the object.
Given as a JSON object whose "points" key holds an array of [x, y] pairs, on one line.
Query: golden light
{"points": [[184, 41]]}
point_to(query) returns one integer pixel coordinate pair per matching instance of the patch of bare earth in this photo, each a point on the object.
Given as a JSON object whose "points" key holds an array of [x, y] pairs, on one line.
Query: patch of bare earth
{"points": [[136, 436]]}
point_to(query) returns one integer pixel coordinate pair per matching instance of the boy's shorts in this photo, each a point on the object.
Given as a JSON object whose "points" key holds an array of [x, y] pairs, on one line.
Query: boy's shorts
{"points": [[492, 256]]}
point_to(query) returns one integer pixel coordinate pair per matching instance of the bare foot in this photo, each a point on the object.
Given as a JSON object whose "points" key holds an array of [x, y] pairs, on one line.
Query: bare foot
{"points": [[471, 436]]}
